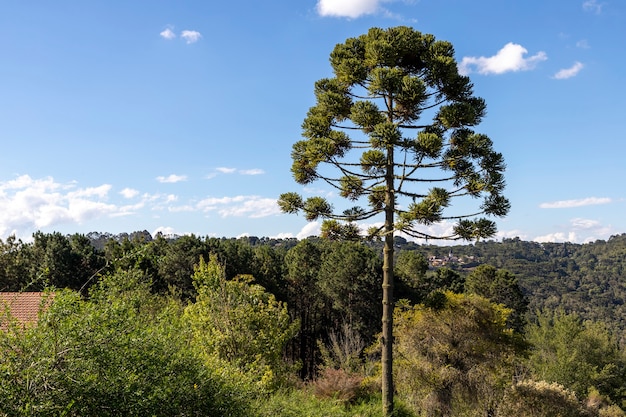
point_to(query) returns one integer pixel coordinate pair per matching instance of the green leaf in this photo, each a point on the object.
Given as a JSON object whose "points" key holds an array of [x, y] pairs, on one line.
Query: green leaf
{"points": [[315, 207], [290, 202], [351, 187]]}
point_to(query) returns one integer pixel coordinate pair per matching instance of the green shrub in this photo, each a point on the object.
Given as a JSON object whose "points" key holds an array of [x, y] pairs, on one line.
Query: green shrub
{"points": [[240, 323], [299, 403], [541, 399], [124, 352]]}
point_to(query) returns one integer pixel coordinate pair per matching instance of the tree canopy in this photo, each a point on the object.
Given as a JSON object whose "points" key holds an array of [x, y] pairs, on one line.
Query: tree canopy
{"points": [[368, 124]]}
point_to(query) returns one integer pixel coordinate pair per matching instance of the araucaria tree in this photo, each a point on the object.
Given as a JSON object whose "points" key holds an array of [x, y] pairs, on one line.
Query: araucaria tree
{"points": [[396, 119]]}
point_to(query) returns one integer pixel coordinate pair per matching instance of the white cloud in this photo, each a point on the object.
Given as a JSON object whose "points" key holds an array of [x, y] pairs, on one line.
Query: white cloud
{"points": [[240, 206], [583, 44], [283, 235], [173, 178], [168, 34], [211, 203], [319, 192], [191, 36], [509, 58], [167, 231], [310, 229], [579, 231], [129, 193], [180, 209], [593, 6], [347, 8], [510, 234], [557, 237], [569, 72], [225, 170], [580, 223], [590, 201], [254, 171], [253, 207], [164, 230], [100, 191], [28, 204]]}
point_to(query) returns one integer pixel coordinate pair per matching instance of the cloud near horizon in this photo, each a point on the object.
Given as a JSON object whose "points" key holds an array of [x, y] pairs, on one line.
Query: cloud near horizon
{"points": [[251, 206], [28, 204], [580, 231], [590, 201], [508, 59]]}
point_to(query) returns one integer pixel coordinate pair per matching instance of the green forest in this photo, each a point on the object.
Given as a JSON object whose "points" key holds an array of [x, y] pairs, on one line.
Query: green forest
{"points": [[188, 325]]}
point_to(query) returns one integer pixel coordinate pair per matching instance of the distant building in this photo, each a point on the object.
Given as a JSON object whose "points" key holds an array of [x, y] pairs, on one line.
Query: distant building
{"points": [[24, 307], [450, 259]]}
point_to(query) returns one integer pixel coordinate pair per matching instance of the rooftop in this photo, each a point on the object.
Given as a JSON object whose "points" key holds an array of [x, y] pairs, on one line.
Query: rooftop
{"points": [[23, 306]]}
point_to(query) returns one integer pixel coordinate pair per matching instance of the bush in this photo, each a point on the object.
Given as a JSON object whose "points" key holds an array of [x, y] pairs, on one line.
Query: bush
{"points": [[338, 385], [458, 356], [539, 399], [123, 352]]}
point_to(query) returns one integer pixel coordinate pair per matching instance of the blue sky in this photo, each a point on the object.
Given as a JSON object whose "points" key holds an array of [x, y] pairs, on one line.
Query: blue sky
{"points": [[179, 116]]}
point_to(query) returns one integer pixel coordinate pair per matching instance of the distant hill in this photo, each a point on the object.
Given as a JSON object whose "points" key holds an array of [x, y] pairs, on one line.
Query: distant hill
{"points": [[589, 279]]}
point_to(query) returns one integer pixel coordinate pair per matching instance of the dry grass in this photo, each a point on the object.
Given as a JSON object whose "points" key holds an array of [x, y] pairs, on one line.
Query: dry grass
{"points": [[337, 384]]}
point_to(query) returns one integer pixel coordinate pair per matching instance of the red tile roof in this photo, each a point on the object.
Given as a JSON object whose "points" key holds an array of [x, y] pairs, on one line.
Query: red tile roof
{"points": [[23, 306]]}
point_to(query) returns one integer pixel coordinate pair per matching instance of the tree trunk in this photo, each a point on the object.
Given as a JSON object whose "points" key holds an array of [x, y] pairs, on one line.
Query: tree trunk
{"points": [[388, 302], [387, 336]]}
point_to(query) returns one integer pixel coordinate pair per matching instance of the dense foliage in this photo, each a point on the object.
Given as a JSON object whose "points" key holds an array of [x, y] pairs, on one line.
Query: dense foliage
{"points": [[124, 352], [205, 322]]}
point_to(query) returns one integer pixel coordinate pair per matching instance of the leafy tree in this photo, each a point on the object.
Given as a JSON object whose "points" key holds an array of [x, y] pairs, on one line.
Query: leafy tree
{"points": [[500, 286], [239, 322], [410, 271], [63, 262], [14, 265], [268, 266], [458, 354], [416, 283], [306, 303], [577, 354], [447, 279], [176, 267], [366, 138], [349, 277]]}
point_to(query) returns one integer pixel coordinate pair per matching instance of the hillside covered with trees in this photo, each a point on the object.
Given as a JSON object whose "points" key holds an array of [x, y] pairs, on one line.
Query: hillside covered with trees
{"points": [[587, 279], [555, 311]]}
